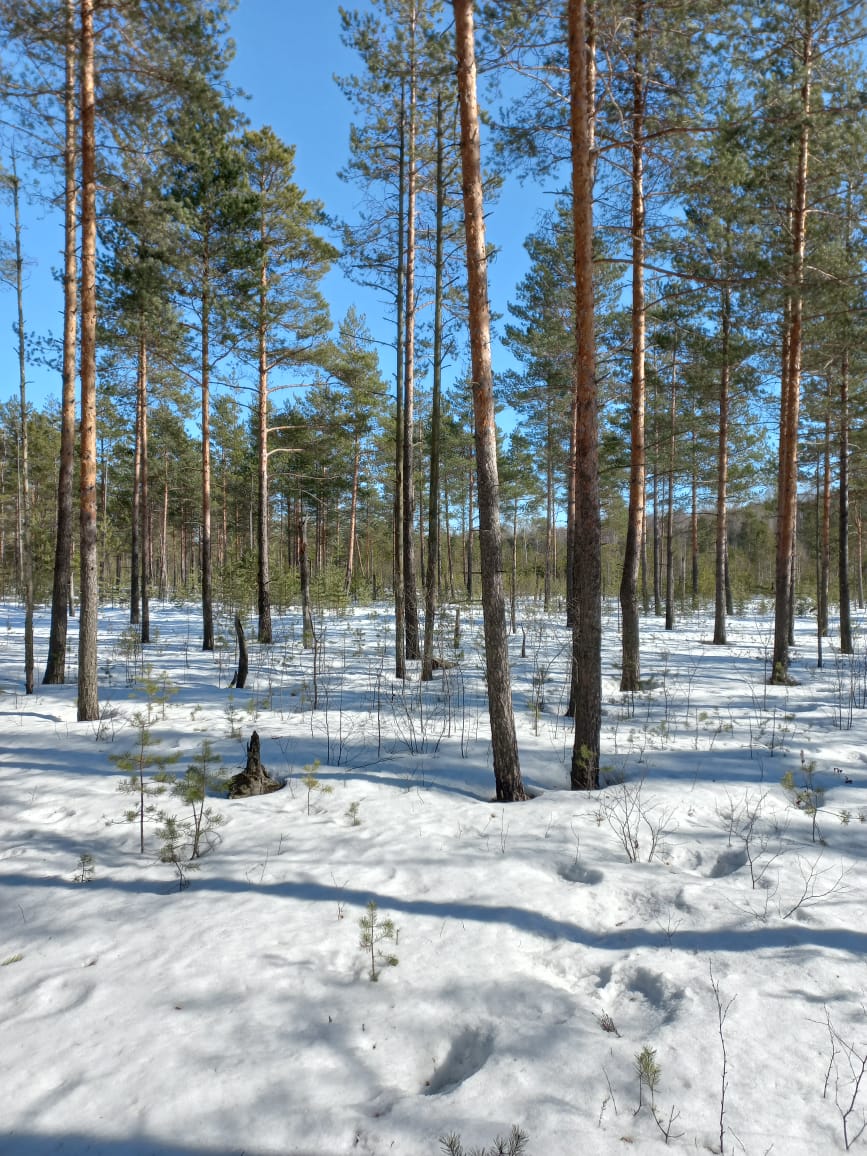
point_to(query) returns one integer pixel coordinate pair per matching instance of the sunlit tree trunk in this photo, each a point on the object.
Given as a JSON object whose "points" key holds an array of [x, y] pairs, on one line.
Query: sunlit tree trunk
{"points": [[88, 693], [205, 545], [304, 571], [790, 389], [433, 532], [631, 663], [263, 574], [145, 532], [719, 621], [409, 567], [843, 514], [25, 539], [507, 770], [135, 511], [669, 528], [55, 669], [587, 572], [398, 568]]}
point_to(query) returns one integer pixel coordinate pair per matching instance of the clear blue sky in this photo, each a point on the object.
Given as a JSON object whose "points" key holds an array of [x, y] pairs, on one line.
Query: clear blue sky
{"points": [[287, 52]]}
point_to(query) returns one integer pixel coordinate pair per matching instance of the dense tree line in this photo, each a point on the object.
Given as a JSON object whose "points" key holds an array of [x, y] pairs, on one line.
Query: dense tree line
{"points": [[690, 335]]}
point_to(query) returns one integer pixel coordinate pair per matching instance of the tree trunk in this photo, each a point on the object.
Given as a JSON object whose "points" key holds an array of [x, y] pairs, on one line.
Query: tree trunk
{"points": [[719, 622], [843, 545], [469, 542], [145, 535], [205, 545], [307, 636], [410, 582], [55, 669], [433, 525], [398, 541], [240, 679], [26, 535], [631, 665], [669, 530], [353, 516], [825, 537], [135, 518], [507, 770], [88, 690], [790, 390], [263, 570], [694, 518], [587, 574]]}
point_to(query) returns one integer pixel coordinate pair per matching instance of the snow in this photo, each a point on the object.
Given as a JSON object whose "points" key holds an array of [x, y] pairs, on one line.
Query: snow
{"points": [[539, 951]]}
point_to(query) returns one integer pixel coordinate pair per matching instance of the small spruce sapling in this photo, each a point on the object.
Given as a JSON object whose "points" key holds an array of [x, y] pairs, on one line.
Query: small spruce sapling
{"points": [[136, 764], [85, 870], [192, 789], [174, 837], [649, 1074], [376, 930], [158, 688], [515, 1144], [808, 797], [312, 784]]}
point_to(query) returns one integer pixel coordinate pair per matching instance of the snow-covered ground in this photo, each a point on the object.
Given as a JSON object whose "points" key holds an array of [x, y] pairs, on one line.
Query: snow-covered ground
{"points": [[705, 910]]}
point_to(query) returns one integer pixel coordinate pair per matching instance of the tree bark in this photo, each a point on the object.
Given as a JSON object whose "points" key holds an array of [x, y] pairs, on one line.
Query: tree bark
{"points": [[55, 668], [409, 568], [398, 566], [433, 530], [25, 543], [263, 570], [719, 622], [843, 513], [307, 635], [135, 518], [507, 770], [790, 390], [631, 665], [587, 573], [145, 532], [240, 679], [88, 693], [669, 519], [205, 545]]}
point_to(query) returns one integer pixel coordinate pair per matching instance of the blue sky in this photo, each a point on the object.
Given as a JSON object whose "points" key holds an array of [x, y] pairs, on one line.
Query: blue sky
{"points": [[287, 52]]}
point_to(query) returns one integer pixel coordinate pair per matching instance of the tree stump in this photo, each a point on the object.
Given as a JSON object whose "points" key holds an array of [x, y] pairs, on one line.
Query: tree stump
{"points": [[254, 779], [243, 664]]}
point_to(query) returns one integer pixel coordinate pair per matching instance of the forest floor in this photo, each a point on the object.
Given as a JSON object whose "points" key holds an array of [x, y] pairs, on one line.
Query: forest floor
{"points": [[676, 962]]}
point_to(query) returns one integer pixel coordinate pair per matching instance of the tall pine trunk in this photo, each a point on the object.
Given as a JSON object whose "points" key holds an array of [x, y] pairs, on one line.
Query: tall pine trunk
{"points": [[135, 519], [719, 621], [790, 389], [433, 531], [843, 511], [398, 517], [587, 557], [507, 770], [409, 567], [263, 569], [669, 514], [88, 692], [145, 531], [55, 668], [631, 665], [25, 542], [205, 544]]}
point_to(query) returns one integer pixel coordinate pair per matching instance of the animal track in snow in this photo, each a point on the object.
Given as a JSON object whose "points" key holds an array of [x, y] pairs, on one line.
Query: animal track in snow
{"points": [[578, 873], [727, 863], [468, 1054], [645, 996]]}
